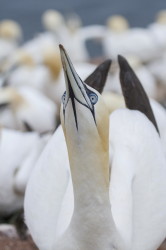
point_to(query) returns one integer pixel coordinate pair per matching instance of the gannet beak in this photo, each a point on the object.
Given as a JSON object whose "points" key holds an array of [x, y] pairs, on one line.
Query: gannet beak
{"points": [[75, 88], [133, 91], [98, 78]]}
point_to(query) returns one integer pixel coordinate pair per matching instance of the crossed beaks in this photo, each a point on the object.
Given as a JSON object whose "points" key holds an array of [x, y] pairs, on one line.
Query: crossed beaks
{"points": [[133, 91]]}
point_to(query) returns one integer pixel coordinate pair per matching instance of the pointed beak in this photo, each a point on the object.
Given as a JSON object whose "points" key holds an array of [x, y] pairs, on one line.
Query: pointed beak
{"points": [[133, 91], [98, 78], [75, 88]]}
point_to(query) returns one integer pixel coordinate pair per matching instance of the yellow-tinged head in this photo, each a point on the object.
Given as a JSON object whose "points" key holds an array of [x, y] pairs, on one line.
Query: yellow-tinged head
{"points": [[51, 59], [22, 57], [10, 97], [117, 23], [161, 17], [52, 19], [9, 29], [84, 118]]}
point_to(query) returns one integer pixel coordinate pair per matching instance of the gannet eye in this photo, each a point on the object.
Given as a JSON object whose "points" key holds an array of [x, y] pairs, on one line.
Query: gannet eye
{"points": [[64, 98], [93, 98]]}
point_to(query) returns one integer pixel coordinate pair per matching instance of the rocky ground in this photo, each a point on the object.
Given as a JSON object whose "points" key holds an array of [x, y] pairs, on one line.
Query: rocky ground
{"points": [[7, 243], [12, 242], [163, 246]]}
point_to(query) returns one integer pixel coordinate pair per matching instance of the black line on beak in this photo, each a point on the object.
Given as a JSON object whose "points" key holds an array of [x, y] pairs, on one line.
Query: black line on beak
{"points": [[71, 92], [72, 97]]}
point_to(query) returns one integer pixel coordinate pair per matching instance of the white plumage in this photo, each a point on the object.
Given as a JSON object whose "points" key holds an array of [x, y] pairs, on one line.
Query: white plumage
{"points": [[137, 184]]}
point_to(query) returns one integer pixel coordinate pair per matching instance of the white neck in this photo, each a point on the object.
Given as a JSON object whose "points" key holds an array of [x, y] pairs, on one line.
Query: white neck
{"points": [[92, 226]]}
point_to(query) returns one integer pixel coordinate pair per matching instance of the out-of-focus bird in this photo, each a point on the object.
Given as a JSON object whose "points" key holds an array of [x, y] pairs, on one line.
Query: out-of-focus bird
{"points": [[10, 36], [119, 39], [26, 106], [14, 148]]}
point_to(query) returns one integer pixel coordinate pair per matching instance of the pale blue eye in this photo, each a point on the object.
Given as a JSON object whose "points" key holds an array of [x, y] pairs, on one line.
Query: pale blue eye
{"points": [[64, 97], [93, 98]]}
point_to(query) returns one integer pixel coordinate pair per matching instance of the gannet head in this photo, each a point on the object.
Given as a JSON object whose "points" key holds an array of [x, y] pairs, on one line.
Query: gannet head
{"points": [[22, 57], [84, 115], [161, 17], [73, 22], [52, 19], [10, 30], [10, 97], [51, 59], [117, 23]]}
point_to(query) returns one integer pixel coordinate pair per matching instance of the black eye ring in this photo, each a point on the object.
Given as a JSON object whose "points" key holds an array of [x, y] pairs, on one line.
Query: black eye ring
{"points": [[63, 97], [93, 98]]}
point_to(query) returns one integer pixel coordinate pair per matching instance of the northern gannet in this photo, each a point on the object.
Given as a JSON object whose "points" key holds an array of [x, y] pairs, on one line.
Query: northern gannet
{"points": [[53, 179], [138, 168], [122, 195], [10, 36], [134, 41], [116, 101], [27, 105], [84, 116], [158, 30]]}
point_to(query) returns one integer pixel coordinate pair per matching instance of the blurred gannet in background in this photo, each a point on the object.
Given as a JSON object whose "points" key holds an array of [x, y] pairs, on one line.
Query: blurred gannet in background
{"points": [[43, 184], [22, 177], [116, 26], [119, 39], [24, 150], [54, 22], [157, 68], [142, 171], [25, 106], [46, 76], [14, 148], [71, 30], [158, 30], [10, 37]]}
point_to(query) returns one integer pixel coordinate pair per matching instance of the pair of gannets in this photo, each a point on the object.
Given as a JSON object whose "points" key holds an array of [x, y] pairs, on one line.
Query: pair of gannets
{"points": [[127, 212]]}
